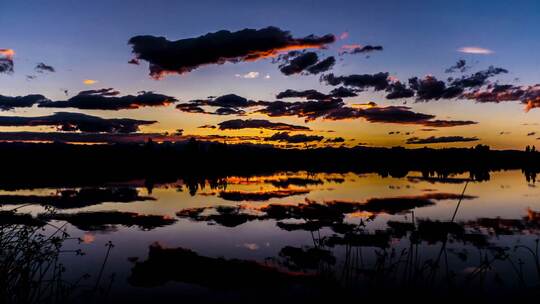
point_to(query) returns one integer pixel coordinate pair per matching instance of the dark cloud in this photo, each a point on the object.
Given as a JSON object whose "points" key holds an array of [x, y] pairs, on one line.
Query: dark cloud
{"points": [[460, 65], [65, 121], [377, 81], [107, 99], [185, 55], [207, 127], [293, 139], [448, 123], [358, 49], [299, 63], [340, 92], [309, 110], [308, 94], [226, 105], [42, 67], [527, 95], [398, 90], [237, 124], [430, 88], [442, 139], [335, 109], [6, 61], [322, 66], [477, 79], [307, 62], [335, 140], [9, 103], [88, 137], [343, 92]]}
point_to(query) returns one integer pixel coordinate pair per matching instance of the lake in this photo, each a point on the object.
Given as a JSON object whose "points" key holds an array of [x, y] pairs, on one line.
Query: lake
{"points": [[288, 235]]}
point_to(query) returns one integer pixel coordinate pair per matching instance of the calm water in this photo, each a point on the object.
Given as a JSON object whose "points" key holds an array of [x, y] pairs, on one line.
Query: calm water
{"points": [[297, 235]]}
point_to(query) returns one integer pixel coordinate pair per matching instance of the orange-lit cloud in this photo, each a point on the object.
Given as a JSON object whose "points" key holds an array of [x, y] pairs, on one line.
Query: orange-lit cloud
{"points": [[6, 60], [89, 81], [7, 53]]}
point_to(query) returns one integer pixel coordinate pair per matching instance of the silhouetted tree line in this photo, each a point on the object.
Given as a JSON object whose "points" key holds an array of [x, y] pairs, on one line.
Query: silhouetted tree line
{"points": [[71, 165]]}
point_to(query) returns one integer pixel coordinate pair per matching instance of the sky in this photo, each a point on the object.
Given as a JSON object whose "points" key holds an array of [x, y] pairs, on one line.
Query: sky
{"points": [[88, 40]]}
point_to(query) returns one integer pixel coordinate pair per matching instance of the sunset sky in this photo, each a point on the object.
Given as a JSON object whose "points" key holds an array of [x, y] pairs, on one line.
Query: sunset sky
{"points": [[489, 49]]}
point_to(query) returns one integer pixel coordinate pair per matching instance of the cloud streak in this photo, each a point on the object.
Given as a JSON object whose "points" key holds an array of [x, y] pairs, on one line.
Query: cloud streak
{"points": [[237, 124], [108, 99], [65, 121], [437, 140], [475, 50]]}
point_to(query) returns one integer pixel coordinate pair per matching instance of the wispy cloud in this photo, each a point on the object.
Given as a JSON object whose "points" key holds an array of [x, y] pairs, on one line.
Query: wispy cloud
{"points": [[475, 50], [89, 81], [250, 75]]}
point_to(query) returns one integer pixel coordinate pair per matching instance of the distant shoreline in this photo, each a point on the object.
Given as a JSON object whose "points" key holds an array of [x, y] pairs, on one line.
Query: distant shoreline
{"points": [[65, 164]]}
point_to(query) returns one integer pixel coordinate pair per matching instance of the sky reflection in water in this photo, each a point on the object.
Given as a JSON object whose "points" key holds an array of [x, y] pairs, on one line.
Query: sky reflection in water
{"points": [[301, 226]]}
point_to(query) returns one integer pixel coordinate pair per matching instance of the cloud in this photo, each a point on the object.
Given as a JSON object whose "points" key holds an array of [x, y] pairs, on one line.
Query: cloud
{"points": [[250, 75], [65, 121], [424, 89], [340, 92], [377, 81], [42, 67], [293, 139], [107, 99], [207, 127], [359, 49], [335, 109], [447, 123], [335, 140], [528, 95], [460, 65], [88, 137], [9, 103], [185, 55], [229, 104], [477, 79], [308, 94], [299, 63], [237, 124], [307, 63], [89, 81], [430, 88], [6, 61], [475, 50], [322, 66], [442, 139], [343, 92], [397, 90]]}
